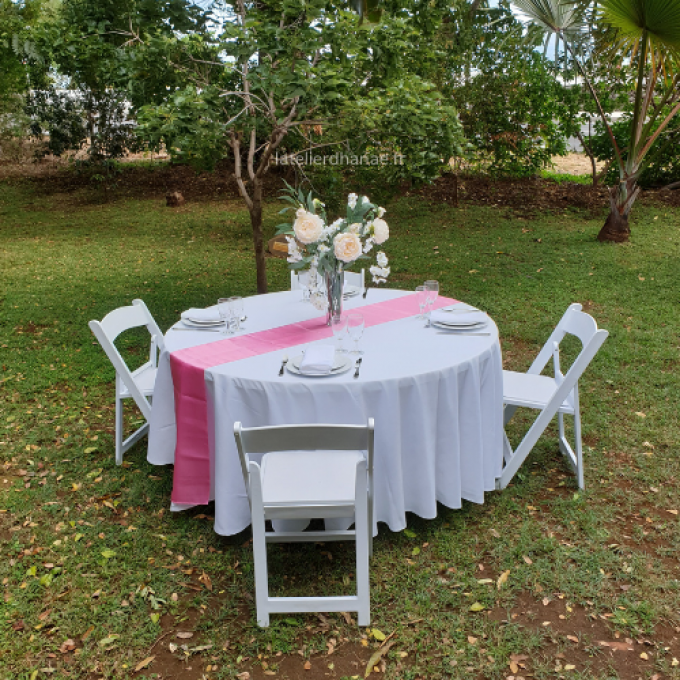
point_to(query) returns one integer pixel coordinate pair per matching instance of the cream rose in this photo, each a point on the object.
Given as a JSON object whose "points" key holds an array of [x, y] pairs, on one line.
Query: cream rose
{"points": [[307, 227], [381, 232], [347, 247]]}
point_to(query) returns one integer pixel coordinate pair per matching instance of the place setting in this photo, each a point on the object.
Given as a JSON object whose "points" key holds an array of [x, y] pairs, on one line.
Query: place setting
{"points": [[457, 319], [226, 317], [326, 360]]}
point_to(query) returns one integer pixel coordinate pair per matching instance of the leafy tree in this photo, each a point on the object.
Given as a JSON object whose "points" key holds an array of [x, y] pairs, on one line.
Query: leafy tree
{"points": [[272, 72], [646, 34]]}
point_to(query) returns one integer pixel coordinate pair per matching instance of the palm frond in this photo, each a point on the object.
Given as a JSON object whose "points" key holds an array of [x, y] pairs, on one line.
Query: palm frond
{"points": [[655, 20]]}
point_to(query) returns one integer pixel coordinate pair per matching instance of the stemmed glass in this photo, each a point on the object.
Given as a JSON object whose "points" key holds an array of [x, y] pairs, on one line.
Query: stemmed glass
{"points": [[224, 308], [355, 328], [432, 288], [339, 327], [421, 299], [236, 304]]}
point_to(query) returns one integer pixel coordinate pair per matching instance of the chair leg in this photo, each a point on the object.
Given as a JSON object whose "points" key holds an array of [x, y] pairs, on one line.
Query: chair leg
{"points": [[362, 551], [579, 449], [119, 425], [260, 555]]}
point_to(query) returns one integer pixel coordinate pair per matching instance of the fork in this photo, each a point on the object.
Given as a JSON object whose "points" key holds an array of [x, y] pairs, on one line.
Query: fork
{"points": [[356, 373], [284, 361]]}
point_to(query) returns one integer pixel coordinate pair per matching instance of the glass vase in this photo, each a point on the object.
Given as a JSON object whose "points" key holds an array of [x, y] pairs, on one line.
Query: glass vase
{"points": [[334, 283]]}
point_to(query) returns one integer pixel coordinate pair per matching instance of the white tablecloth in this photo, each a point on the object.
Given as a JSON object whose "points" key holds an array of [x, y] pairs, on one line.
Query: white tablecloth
{"points": [[436, 399]]}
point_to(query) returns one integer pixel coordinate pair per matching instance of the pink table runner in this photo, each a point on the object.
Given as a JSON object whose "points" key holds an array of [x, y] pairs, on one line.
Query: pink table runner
{"points": [[191, 479]]}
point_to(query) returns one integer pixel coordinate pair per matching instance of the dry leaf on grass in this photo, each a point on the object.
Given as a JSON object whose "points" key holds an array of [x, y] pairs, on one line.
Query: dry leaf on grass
{"points": [[144, 663], [308, 665], [620, 646], [184, 635], [67, 646], [502, 579], [376, 658]]}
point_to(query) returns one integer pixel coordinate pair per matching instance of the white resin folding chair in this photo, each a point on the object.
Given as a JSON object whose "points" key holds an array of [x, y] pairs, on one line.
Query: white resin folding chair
{"points": [[309, 472], [137, 384], [356, 279], [551, 395]]}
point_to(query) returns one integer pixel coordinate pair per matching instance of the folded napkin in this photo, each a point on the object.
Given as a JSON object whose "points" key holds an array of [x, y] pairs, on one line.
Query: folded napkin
{"points": [[318, 360], [457, 317], [201, 314]]}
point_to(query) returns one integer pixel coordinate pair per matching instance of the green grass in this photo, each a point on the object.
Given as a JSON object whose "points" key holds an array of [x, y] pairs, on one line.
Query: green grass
{"points": [[91, 551]]}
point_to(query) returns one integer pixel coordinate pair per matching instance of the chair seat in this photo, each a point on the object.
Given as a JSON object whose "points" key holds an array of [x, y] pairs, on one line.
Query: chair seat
{"points": [[309, 477], [532, 391], [145, 378]]}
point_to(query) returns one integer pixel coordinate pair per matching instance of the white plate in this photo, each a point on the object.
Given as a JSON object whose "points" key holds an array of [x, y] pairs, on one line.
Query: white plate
{"points": [[195, 323], [460, 327], [341, 364], [350, 291], [461, 323]]}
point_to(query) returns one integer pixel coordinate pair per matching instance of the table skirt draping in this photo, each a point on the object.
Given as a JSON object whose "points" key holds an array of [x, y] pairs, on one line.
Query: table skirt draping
{"points": [[436, 401]]}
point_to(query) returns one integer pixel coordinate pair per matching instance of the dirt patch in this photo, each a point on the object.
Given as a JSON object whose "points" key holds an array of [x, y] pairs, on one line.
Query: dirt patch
{"points": [[575, 164], [581, 640]]}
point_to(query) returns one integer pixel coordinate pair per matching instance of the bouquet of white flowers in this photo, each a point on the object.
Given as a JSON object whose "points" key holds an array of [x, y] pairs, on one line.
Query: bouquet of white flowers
{"points": [[328, 248]]}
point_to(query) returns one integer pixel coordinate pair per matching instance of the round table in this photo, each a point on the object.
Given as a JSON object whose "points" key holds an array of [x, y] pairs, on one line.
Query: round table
{"points": [[436, 397]]}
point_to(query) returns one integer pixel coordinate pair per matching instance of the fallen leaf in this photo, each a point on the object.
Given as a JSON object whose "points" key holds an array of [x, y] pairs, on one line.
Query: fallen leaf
{"points": [[545, 601], [620, 646], [18, 625], [376, 658], [514, 668], [105, 642], [476, 607], [205, 579], [528, 560], [640, 414], [573, 638], [378, 634], [184, 635], [86, 634], [144, 663], [644, 656], [472, 640], [67, 646], [569, 667], [502, 579], [308, 665], [243, 676], [675, 662], [673, 512]]}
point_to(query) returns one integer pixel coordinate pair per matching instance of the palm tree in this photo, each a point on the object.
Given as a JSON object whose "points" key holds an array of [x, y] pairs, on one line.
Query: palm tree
{"points": [[646, 33]]}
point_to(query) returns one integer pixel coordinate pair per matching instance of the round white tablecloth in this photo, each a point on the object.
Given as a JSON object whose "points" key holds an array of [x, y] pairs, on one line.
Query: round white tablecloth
{"points": [[436, 397]]}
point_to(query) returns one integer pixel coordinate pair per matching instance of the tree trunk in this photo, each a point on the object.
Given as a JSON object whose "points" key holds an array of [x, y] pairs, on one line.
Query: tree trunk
{"points": [[621, 199], [258, 238], [615, 229]]}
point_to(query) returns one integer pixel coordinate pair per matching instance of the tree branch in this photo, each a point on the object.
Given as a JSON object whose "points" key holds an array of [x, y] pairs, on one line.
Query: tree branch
{"points": [[235, 144]]}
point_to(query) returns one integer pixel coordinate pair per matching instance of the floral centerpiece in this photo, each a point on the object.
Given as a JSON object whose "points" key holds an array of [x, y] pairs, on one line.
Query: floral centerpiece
{"points": [[329, 249]]}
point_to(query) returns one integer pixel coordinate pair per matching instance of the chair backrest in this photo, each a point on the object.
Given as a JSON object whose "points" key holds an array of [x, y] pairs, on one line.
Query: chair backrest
{"points": [[352, 278], [115, 323], [303, 438], [581, 325]]}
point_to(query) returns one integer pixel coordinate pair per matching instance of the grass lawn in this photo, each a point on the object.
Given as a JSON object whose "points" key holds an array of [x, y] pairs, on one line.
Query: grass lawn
{"points": [[100, 579]]}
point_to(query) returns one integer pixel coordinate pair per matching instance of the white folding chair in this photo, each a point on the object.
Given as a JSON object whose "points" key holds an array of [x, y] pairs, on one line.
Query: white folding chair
{"points": [[137, 384], [356, 279], [308, 472], [551, 395]]}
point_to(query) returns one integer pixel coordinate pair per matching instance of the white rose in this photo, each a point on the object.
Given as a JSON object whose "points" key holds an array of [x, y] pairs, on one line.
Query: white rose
{"points": [[308, 227], [381, 212], [381, 232], [300, 212], [347, 247], [381, 259], [352, 201]]}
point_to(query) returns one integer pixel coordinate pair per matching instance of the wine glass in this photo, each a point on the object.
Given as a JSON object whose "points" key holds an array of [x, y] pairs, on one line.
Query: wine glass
{"points": [[339, 327], [421, 299], [236, 304], [432, 288], [224, 308], [355, 328]]}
